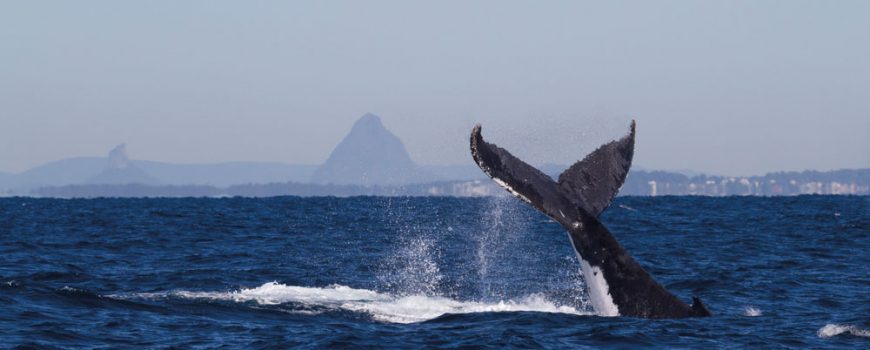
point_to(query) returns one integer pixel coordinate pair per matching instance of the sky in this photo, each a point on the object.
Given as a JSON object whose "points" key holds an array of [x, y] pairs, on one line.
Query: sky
{"points": [[726, 88]]}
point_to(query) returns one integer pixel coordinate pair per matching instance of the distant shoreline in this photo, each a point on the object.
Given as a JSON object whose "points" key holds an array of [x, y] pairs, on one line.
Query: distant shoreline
{"points": [[639, 183], [398, 196]]}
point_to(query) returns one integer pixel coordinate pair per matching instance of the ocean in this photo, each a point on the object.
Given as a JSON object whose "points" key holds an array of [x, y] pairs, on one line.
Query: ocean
{"points": [[411, 272]]}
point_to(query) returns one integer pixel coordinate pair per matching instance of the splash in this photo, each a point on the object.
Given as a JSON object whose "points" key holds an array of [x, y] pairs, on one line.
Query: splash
{"points": [[499, 257], [380, 306], [751, 311], [500, 232], [495, 264], [413, 267], [831, 330]]}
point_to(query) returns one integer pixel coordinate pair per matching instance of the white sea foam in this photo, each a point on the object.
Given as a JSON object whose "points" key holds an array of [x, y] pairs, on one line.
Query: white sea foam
{"points": [[381, 306], [832, 330], [623, 206], [751, 311]]}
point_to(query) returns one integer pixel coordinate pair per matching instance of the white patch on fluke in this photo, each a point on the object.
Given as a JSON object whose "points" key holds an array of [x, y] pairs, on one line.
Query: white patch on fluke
{"points": [[599, 290], [511, 189], [381, 306]]}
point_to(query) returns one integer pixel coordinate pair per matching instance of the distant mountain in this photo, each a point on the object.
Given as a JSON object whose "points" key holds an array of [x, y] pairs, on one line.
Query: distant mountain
{"points": [[120, 171], [371, 160], [226, 174], [57, 173], [6, 180], [370, 155]]}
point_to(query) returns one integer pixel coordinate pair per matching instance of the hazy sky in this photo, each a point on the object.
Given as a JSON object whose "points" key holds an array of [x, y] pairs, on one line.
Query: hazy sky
{"points": [[726, 87]]}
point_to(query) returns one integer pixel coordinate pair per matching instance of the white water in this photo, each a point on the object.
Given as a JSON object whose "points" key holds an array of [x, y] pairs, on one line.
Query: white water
{"points": [[413, 267], [412, 280], [751, 311], [831, 330], [500, 233], [381, 306]]}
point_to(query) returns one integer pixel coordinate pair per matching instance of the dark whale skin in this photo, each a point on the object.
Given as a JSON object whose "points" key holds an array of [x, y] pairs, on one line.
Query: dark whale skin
{"points": [[581, 194]]}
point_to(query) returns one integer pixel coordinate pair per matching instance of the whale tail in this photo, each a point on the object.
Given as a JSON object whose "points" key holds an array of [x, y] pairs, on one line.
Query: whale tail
{"points": [[618, 284], [590, 184]]}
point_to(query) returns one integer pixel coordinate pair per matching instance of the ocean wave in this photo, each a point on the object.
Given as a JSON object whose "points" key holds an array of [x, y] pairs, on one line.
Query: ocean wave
{"points": [[832, 330], [381, 306]]}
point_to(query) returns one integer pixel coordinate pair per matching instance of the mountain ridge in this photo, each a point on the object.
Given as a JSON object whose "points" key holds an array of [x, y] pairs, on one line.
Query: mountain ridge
{"points": [[370, 155]]}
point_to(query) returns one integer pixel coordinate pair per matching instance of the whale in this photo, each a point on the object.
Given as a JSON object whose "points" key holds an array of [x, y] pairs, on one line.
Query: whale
{"points": [[616, 283]]}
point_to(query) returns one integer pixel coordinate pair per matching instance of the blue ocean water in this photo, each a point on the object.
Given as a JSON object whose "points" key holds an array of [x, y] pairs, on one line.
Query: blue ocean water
{"points": [[785, 272]]}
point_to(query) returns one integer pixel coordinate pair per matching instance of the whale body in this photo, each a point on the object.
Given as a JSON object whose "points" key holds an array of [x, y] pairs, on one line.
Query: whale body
{"points": [[617, 284]]}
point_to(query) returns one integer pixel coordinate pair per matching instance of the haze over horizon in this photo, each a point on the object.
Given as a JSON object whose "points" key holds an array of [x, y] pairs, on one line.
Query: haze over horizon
{"points": [[736, 88]]}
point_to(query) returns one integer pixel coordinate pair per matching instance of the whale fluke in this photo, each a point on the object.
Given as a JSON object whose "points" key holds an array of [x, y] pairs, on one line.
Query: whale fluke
{"points": [[593, 182], [520, 179], [618, 285]]}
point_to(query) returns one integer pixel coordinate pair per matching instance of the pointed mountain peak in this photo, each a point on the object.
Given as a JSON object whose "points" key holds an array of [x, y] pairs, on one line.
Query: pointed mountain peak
{"points": [[118, 157], [121, 171], [369, 155], [369, 118], [368, 123]]}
